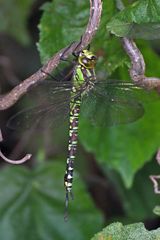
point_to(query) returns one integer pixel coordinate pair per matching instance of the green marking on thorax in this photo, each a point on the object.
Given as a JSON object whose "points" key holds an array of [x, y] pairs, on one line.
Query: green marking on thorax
{"points": [[78, 78]]}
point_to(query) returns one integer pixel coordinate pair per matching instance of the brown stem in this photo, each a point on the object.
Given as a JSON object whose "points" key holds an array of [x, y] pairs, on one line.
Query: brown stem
{"points": [[158, 156], [137, 70], [1, 137], [155, 179], [20, 161], [15, 94]]}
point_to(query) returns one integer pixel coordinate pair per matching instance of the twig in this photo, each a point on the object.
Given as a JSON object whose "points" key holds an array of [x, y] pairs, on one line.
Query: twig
{"points": [[158, 156], [15, 94], [20, 161], [1, 137], [137, 70], [154, 179]]}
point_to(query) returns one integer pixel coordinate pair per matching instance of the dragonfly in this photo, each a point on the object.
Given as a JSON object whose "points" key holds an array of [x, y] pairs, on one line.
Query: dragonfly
{"points": [[104, 103]]}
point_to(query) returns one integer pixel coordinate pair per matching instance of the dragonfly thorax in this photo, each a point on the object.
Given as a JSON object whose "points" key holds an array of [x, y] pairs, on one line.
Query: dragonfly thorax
{"points": [[84, 73], [84, 79]]}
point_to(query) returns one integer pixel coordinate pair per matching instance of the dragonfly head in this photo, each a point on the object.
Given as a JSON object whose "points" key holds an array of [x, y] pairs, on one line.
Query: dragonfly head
{"points": [[87, 59]]}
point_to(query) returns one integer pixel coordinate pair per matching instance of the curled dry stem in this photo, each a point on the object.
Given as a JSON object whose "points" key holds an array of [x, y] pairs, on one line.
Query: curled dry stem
{"points": [[158, 156], [20, 161], [154, 179], [137, 70]]}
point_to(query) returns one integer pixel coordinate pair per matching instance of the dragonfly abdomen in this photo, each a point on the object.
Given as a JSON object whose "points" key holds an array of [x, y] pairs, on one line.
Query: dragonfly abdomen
{"points": [[72, 147]]}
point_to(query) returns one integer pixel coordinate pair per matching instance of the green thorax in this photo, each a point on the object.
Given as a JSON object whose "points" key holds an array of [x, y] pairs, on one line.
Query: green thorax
{"points": [[84, 73]]}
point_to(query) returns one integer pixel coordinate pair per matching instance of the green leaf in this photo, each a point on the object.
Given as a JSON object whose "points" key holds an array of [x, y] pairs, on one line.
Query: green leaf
{"points": [[32, 205], [61, 24], [13, 19], [116, 231], [113, 56], [108, 47], [139, 20]]}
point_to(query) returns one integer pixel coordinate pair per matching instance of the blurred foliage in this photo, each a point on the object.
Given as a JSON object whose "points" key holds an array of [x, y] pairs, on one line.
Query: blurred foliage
{"points": [[13, 18], [58, 16], [140, 200], [35, 198], [33, 206]]}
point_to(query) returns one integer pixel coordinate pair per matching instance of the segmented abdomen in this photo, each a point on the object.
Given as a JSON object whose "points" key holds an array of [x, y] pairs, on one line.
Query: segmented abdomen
{"points": [[72, 147]]}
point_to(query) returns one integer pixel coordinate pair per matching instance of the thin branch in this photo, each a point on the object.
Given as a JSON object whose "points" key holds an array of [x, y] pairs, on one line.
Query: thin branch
{"points": [[1, 137], [20, 161], [158, 156], [155, 179], [137, 70], [15, 94]]}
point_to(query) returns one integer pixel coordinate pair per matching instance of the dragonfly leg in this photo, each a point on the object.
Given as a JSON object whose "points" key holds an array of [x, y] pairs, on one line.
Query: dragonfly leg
{"points": [[88, 47], [55, 78], [62, 58], [75, 53], [50, 75]]}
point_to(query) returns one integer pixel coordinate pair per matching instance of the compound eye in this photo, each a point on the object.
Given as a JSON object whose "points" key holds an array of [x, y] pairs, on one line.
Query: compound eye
{"points": [[94, 58]]}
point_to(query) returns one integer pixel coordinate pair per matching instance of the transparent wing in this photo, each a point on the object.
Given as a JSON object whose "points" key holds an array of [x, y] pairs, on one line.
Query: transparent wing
{"points": [[47, 104], [146, 31], [109, 103], [112, 103]]}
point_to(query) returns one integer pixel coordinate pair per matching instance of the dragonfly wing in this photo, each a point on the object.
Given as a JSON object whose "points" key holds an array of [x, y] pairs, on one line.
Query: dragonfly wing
{"points": [[47, 105], [38, 117], [111, 104], [148, 31], [145, 31]]}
